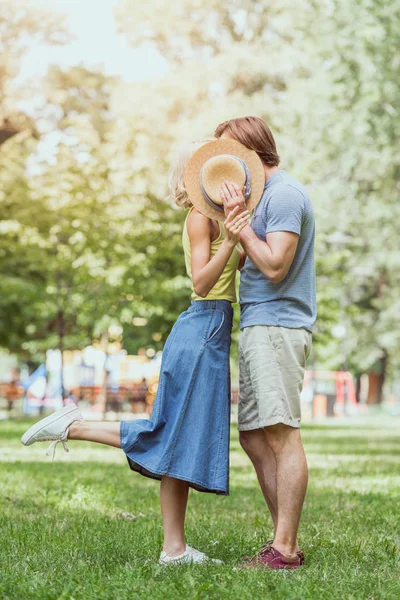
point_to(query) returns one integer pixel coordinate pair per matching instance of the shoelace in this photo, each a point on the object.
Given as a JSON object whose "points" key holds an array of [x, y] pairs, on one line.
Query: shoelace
{"points": [[53, 445], [263, 548], [269, 550], [264, 552], [194, 551], [179, 558]]}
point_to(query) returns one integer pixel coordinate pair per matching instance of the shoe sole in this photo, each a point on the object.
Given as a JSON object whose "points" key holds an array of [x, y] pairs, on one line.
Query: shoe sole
{"points": [[209, 561], [32, 431], [180, 563], [266, 567]]}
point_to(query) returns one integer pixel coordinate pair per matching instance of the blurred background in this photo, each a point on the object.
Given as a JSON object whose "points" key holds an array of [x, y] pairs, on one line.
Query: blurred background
{"points": [[95, 97]]}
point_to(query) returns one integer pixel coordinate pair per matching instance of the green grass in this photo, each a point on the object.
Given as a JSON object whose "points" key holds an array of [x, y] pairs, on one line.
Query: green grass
{"points": [[64, 534]]}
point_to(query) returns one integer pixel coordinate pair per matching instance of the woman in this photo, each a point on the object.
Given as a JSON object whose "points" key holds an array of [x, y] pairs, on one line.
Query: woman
{"points": [[186, 441]]}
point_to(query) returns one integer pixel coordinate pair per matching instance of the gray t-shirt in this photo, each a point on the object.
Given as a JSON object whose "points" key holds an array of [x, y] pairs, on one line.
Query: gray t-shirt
{"points": [[284, 206]]}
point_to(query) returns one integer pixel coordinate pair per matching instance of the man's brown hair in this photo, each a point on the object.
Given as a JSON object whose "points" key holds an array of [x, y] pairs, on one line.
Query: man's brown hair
{"points": [[253, 133]]}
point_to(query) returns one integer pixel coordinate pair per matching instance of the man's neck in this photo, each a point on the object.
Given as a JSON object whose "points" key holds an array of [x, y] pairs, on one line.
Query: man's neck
{"points": [[269, 171]]}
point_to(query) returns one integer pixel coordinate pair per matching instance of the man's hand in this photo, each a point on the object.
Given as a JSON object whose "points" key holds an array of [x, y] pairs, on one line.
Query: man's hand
{"points": [[232, 197]]}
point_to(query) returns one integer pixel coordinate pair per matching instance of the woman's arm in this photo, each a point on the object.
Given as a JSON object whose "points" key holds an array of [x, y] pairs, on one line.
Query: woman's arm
{"points": [[206, 270]]}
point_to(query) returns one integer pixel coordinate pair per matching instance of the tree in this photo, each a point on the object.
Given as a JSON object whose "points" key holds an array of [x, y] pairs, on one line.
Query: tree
{"points": [[213, 76], [331, 99], [20, 24], [356, 45], [61, 224], [88, 230]]}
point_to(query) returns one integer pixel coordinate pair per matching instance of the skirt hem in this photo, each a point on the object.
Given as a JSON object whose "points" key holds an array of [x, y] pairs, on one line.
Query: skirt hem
{"points": [[136, 466]]}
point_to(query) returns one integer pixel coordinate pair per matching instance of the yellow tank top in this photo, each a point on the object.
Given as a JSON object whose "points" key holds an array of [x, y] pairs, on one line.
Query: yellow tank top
{"points": [[225, 288]]}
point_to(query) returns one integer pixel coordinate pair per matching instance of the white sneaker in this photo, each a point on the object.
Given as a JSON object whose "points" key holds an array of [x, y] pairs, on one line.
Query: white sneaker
{"points": [[190, 556], [53, 428]]}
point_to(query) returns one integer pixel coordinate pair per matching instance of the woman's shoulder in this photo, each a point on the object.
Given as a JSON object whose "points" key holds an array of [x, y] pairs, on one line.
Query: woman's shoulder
{"points": [[197, 223]]}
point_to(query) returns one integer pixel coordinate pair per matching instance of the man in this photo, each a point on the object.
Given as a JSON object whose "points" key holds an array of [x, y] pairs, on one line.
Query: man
{"points": [[278, 309]]}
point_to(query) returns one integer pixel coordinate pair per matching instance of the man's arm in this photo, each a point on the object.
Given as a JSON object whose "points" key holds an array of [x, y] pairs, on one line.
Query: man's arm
{"points": [[274, 256], [242, 259]]}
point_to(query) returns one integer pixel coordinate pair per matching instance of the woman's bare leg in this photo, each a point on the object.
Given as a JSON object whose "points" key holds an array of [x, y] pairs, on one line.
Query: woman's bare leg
{"points": [[173, 501], [173, 492], [92, 431]]}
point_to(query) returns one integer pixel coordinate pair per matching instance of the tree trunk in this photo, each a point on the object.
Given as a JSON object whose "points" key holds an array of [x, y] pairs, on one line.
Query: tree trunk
{"points": [[382, 378], [104, 343], [358, 388], [61, 334], [377, 381], [16, 124]]}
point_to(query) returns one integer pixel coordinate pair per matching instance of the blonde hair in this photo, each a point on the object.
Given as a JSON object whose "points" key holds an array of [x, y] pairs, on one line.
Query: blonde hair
{"points": [[176, 181]]}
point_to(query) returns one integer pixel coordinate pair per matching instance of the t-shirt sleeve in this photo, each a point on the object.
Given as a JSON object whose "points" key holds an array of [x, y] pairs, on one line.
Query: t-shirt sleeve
{"points": [[285, 210]]}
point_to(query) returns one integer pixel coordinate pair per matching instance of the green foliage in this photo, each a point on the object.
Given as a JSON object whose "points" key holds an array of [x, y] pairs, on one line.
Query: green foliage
{"points": [[355, 147], [86, 227], [332, 100]]}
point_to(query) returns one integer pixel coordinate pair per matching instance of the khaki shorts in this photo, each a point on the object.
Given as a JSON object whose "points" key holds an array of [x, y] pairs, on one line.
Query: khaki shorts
{"points": [[272, 361]]}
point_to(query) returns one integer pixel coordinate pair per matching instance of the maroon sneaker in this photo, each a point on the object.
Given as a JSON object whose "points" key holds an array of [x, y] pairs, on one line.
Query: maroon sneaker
{"points": [[270, 558], [267, 544], [264, 547]]}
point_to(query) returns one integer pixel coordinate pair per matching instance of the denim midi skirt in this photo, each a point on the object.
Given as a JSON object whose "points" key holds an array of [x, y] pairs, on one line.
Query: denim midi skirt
{"points": [[187, 436]]}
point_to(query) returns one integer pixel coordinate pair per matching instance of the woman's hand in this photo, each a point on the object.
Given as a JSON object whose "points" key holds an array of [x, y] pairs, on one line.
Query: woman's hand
{"points": [[234, 223], [231, 196]]}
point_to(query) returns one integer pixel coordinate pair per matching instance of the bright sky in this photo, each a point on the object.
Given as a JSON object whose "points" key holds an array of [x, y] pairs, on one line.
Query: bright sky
{"points": [[96, 42]]}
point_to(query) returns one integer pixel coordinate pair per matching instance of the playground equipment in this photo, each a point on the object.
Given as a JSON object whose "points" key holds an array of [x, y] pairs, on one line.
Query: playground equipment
{"points": [[331, 393]]}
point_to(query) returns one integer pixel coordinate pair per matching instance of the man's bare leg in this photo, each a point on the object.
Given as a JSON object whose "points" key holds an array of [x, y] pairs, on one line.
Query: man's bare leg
{"points": [[263, 446], [292, 478], [254, 443]]}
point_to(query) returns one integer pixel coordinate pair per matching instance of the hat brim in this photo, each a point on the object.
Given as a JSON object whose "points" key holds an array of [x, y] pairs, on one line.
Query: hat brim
{"points": [[214, 148]]}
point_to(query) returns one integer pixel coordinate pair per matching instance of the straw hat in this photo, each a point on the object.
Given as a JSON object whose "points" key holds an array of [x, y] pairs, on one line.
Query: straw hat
{"points": [[215, 162]]}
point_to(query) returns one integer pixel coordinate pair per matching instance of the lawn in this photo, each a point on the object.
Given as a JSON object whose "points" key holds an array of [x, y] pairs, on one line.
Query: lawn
{"points": [[86, 528]]}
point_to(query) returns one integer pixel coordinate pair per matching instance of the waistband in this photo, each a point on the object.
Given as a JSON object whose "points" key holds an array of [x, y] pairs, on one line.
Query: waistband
{"points": [[223, 305]]}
